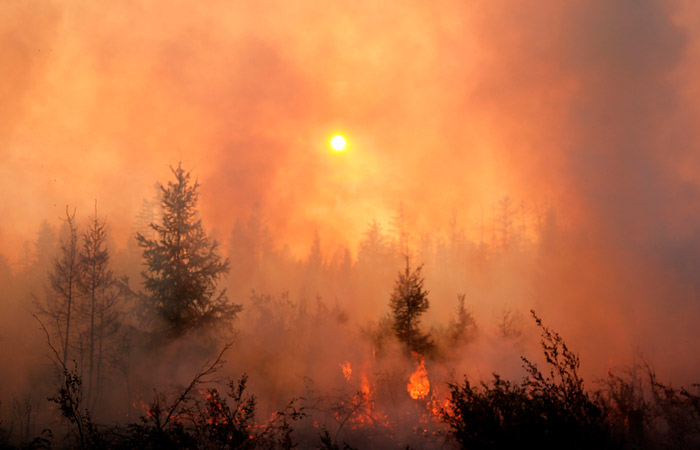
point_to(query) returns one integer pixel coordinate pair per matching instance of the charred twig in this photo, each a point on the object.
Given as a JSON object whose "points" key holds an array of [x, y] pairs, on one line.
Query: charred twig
{"points": [[363, 400], [206, 370], [48, 342]]}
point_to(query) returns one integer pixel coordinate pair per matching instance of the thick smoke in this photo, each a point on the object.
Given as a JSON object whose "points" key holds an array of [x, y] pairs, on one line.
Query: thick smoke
{"points": [[582, 112]]}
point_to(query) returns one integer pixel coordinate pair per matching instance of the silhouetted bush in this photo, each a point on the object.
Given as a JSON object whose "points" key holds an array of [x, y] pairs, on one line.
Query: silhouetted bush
{"points": [[648, 414], [209, 422], [329, 443], [546, 410], [69, 399]]}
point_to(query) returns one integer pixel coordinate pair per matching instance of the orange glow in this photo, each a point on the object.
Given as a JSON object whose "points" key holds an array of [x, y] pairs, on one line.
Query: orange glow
{"points": [[438, 403], [418, 385], [365, 387], [347, 369], [520, 171]]}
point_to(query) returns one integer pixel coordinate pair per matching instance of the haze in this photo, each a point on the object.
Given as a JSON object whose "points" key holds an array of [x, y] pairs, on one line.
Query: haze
{"points": [[584, 113]]}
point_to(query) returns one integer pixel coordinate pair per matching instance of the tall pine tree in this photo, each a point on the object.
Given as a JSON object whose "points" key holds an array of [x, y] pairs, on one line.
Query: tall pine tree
{"points": [[183, 265]]}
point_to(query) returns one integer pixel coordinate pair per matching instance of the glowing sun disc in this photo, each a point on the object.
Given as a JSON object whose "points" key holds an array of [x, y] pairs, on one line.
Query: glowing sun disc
{"points": [[338, 143]]}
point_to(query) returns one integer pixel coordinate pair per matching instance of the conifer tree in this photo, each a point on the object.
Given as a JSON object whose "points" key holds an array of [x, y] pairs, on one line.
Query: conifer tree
{"points": [[183, 265], [315, 260], [374, 251], [100, 301], [44, 248], [63, 280], [408, 302]]}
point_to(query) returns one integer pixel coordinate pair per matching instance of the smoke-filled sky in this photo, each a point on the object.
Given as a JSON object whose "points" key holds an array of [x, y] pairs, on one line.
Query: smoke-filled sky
{"points": [[447, 106], [590, 107]]}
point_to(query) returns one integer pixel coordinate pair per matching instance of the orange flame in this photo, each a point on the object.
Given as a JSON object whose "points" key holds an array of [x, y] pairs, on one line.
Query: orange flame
{"points": [[418, 385], [437, 405], [347, 370], [360, 409], [365, 387]]}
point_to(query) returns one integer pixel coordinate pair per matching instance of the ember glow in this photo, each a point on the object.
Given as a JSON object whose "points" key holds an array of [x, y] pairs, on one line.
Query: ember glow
{"points": [[347, 370]]}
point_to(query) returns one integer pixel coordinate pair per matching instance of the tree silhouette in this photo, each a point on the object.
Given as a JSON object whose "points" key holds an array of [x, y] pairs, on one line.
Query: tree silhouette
{"points": [[399, 227], [250, 249], [183, 265], [44, 247], [315, 259], [505, 221], [100, 302], [376, 259], [408, 302], [463, 326], [374, 251], [63, 281]]}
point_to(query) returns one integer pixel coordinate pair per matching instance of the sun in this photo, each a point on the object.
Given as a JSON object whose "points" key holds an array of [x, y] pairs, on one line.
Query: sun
{"points": [[338, 143]]}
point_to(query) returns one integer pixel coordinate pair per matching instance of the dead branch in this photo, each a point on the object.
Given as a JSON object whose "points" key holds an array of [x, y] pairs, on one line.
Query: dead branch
{"points": [[206, 370]]}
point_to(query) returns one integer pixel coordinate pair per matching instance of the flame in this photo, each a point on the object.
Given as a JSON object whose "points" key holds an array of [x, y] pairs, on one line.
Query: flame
{"points": [[360, 409], [438, 404], [347, 369], [140, 407], [365, 387], [418, 385]]}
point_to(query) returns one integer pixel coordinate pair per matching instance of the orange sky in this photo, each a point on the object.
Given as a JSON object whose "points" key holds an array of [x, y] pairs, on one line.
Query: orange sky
{"points": [[590, 106], [446, 105]]}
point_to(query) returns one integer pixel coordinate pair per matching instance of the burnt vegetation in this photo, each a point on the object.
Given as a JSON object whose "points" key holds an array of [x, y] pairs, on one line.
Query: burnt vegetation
{"points": [[146, 349], [548, 409]]}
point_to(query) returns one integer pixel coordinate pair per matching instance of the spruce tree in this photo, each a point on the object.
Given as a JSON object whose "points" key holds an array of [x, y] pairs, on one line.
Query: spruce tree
{"points": [[100, 302], [63, 281], [183, 265], [408, 302]]}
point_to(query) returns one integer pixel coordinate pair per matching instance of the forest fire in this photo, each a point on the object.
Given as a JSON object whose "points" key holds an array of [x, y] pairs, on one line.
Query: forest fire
{"points": [[419, 385], [359, 410], [347, 369], [438, 404], [171, 198], [140, 407], [365, 387], [372, 413]]}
